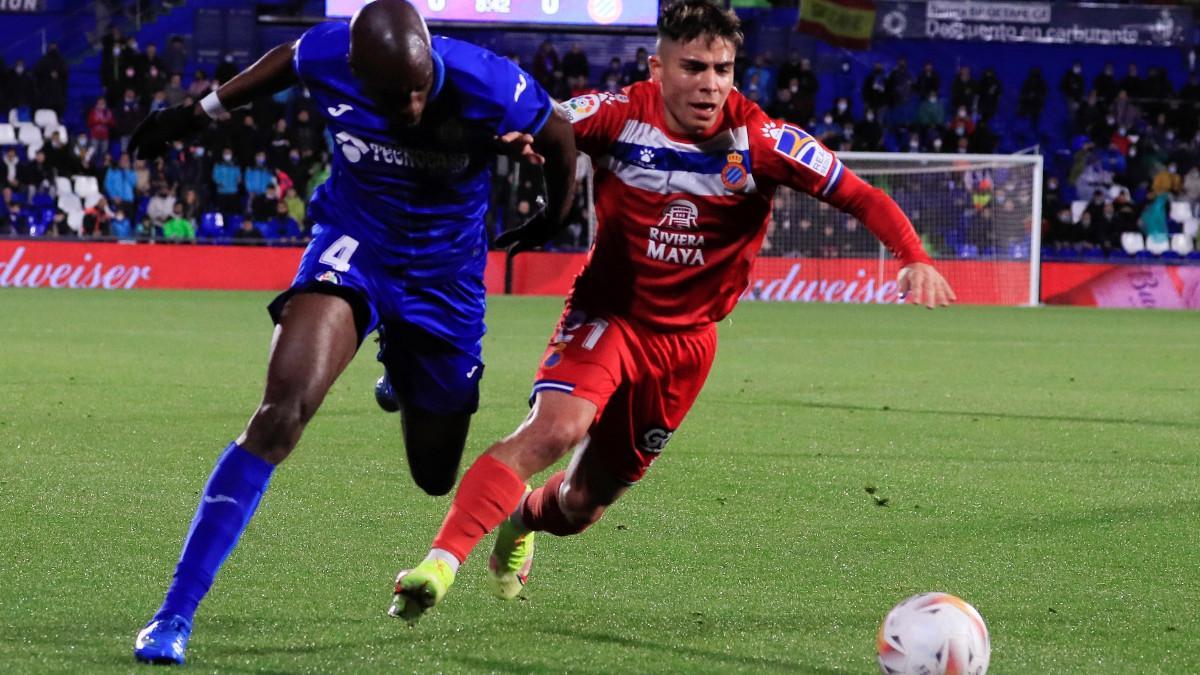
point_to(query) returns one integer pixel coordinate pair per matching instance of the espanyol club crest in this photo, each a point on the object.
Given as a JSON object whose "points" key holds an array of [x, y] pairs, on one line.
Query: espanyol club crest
{"points": [[734, 174], [604, 11]]}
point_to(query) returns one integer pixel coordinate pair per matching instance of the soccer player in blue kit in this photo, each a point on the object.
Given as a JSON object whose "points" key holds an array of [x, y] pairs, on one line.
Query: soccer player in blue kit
{"points": [[399, 245]]}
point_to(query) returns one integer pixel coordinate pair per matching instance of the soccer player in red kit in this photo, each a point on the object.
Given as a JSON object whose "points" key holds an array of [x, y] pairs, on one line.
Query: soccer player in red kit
{"points": [[685, 172]]}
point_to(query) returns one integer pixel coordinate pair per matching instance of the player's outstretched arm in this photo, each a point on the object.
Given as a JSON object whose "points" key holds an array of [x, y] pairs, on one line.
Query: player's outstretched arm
{"points": [[271, 73], [555, 145]]}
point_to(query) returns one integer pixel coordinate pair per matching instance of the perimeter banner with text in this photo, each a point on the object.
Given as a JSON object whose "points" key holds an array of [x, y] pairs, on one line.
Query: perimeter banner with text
{"points": [[1035, 22], [108, 266]]}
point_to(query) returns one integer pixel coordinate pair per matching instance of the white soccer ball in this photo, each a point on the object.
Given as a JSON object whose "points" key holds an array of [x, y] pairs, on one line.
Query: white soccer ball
{"points": [[933, 634]]}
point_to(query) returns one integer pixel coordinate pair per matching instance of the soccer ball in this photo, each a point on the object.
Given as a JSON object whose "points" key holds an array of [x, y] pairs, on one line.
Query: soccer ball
{"points": [[933, 634]]}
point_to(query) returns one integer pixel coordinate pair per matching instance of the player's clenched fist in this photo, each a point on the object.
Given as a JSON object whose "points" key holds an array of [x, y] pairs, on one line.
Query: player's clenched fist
{"points": [[161, 127], [924, 285]]}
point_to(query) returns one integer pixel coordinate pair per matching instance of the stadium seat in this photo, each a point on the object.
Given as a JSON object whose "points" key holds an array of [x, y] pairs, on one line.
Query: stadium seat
{"points": [[86, 186], [91, 200], [212, 226], [968, 251], [70, 203], [62, 185], [1157, 245], [28, 134], [1182, 244], [1133, 242], [8, 135], [41, 200], [75, 220], [45, 118]]}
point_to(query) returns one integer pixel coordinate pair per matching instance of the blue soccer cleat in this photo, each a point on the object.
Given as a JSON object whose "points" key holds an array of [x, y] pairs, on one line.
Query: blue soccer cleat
{"points": [[385, 396], [163, 641]]}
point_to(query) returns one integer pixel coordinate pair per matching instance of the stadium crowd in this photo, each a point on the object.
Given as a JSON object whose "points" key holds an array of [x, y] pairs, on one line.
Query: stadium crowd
{"points": [[1135, 140]]}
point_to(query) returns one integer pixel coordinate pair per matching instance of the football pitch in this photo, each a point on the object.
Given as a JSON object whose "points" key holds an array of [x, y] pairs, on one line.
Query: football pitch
{"points": [[1040, 463]]}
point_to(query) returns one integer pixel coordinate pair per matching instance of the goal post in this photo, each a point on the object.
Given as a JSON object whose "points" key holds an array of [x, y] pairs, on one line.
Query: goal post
{"points": [[979, 217]]}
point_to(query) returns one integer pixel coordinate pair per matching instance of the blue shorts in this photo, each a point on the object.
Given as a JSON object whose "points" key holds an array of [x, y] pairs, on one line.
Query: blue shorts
{"points": [[432, 333]]}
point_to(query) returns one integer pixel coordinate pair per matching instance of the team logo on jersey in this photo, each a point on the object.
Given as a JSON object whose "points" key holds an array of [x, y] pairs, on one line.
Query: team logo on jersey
{"points": [[655, 439], [580, 107], [734, 174], [771, 130], [353, 147], [796, 144], [329, 277], [679, 215]]}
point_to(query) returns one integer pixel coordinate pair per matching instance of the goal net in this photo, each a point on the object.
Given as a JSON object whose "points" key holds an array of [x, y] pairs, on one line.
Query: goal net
{"points": [[978, 216]]}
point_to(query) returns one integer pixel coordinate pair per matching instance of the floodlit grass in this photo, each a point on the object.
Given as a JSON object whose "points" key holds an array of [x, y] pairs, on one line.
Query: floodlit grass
{"points": [[1041, 464]]}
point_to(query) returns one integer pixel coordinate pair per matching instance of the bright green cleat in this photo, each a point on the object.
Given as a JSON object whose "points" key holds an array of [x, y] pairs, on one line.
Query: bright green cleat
{"points": [[419, 589], [512, 558]]}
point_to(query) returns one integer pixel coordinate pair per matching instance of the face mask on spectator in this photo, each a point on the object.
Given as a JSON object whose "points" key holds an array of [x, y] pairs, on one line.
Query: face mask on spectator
{"points": [[1170, 135], [198, 151], [1077, 69], [841, 107], [227, 156], [829, 119], [260, 160]]}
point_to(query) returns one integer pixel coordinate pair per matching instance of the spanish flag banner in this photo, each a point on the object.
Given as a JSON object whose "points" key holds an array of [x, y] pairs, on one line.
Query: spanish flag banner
{"points": [[844, 23]]}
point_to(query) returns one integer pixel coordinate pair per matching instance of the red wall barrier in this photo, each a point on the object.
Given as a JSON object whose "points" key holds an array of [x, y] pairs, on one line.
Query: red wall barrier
{"points": [[111, 266], [1148, 286]]}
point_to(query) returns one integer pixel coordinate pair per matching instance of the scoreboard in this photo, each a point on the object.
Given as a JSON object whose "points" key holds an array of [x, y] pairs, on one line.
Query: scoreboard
{"points": [[580, 13]]}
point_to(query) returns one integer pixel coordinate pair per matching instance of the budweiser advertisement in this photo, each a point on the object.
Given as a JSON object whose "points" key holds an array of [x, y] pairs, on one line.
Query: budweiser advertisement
{"points": [[1134, 286]]}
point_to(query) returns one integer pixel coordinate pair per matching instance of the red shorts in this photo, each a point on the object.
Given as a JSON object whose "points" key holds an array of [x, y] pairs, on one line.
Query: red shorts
{"points": [[642, 382]]}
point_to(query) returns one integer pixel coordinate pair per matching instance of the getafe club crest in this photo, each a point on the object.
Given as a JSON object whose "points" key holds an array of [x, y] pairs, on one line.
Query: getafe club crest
{"points": [[734, 174]]}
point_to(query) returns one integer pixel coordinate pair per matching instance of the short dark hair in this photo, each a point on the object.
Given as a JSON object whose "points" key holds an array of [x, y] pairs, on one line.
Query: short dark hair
{"points": [[686, 20]]}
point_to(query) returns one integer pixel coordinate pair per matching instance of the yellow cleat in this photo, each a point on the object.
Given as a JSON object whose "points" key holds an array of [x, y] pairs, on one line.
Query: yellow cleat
{"points": [[419, 589], [511, 561]]}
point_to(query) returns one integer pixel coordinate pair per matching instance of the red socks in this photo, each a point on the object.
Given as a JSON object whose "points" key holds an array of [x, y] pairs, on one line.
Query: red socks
{"points": [[542, 512], [490, 491]]}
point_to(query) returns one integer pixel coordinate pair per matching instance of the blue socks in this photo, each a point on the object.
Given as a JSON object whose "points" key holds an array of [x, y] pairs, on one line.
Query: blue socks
{"points": [[229, 499]]}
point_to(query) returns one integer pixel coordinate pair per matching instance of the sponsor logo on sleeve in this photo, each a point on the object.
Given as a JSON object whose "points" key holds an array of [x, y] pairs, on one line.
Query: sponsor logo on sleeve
{"points": [[797, 145], [580, 107]]}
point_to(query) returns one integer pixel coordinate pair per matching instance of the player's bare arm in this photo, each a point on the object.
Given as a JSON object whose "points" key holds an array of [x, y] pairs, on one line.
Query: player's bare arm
{"points": [[272, 73]]}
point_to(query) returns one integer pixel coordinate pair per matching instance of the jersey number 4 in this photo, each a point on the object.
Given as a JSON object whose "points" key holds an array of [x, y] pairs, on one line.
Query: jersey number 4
{"points": [[338, 254]]}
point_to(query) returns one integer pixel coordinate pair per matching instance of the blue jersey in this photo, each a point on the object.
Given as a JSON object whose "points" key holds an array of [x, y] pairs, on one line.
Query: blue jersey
{"points": [[417, 196]]}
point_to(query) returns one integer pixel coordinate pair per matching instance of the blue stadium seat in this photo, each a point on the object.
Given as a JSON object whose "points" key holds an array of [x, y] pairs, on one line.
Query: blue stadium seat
{"points": [[968, 251], [211, 226]]}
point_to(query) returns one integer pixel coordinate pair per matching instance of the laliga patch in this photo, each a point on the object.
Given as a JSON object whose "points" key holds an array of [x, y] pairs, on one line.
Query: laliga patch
{"points": [[734, 174], [580, 107], [329, 277], [796, 144]]}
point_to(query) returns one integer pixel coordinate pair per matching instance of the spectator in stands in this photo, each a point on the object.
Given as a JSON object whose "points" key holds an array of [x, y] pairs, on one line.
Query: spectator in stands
{"points": [[1032, 99], [128, 116], [200, 85], [1131, 84], [110, 56], [59, 157], [637, 70], [1167, 181], [964, 90], [227, 176], [1126, 113], [296, 206], [1072, 87], [97, 219], [258, 177], [546, 68], [1154, 218], [101, 123], [874, 89], [51, 81], [899, 84], [21, 86], [1191, 185], [120, 181], [843, 81], [1093, 177], [119, 226], [1091, 112], [161, 205], [11, 166], [784, 107], [175, 58], [763, 75], [177, 227], [789, 69], [990, 90], [1105, 84], [841, 112], [142, 178], [929, 82], [7, 226], [279, 144], [247, 233], [752, 88], [304, 133], [804, 87], [34, 174], [192, 206], [153, 81], [575, 68], [15, 219], [611, 79], [59, 227], [263, 205], [247, 138], [158, 101], [931, 114], [149, 60], [282, 227], [868, 133]]}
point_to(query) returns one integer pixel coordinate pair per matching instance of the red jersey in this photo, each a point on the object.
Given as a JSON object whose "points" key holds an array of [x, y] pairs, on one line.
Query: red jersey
{"points": [[681, 219]]}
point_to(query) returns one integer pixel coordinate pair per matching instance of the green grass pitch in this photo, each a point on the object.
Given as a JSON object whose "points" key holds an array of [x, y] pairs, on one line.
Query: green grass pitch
{"points": [[1041, 463]]}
